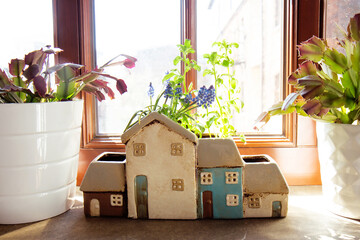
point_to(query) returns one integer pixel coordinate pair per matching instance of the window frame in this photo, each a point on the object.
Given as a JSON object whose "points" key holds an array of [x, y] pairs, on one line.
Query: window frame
{"points": [[302, 19]]}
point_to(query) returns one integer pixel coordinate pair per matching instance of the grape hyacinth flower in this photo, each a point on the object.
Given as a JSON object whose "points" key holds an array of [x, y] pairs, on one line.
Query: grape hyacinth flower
{"points": [[205, 96], [178, 91], [188, 98], [151, 90], [211, 95], [168, 91]]}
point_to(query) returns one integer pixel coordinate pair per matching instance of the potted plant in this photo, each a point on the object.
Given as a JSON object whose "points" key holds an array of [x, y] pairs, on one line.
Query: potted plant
{"points": [[40, 128], [327, 89], [215, 105]]}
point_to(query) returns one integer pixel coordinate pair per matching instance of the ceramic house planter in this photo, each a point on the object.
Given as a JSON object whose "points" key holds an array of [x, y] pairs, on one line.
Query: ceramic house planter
{"points": [[171, 174], [339, 151], [103, 186], [160, 169], [39, 145], [265, 188], [220, 179]]}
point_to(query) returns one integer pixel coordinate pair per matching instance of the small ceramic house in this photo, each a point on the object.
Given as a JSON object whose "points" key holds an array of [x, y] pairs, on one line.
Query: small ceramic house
{"points": [[103, 186], [220, 179], [160, 169], [171, 174], [265, 189]]}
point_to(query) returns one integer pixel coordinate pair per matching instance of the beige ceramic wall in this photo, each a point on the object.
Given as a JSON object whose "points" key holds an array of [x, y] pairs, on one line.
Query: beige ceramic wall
{"points": [[160, 168], [266, 205]]}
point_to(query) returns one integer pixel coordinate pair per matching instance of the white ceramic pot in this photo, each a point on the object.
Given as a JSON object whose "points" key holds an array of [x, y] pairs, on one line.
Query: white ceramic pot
{"points": [[339, 154], [39, 151]]}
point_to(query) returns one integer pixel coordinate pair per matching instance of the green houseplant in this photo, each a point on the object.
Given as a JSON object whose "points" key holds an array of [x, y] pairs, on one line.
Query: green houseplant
{"points": [[177, 100], [327, 89], [227, 101], [40, 130], [215, 105]]}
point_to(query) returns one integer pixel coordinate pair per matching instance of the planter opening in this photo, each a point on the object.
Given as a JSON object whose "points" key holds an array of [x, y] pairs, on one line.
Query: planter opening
{"points": [[112, 157], [255, 159]]}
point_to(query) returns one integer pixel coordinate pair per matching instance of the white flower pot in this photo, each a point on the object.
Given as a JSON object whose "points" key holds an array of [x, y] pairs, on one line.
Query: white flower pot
{"points": [[339, 154], [39, 151]]}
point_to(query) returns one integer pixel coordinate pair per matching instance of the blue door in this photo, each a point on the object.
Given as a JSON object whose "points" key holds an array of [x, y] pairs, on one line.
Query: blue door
{"points": [[276, 209], [141, 196]]}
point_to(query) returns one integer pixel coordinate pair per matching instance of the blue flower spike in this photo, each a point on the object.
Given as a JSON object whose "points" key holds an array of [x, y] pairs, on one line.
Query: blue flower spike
{"points": [[205, 96], [151, 90]]}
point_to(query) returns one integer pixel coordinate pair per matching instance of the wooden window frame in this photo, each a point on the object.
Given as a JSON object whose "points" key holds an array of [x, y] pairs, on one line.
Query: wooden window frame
{"points": [[74, 33]]}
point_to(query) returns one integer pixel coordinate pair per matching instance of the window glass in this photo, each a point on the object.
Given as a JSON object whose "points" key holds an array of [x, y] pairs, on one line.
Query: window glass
{"points": [[147, 30], [25, 26], [257, 27], [338, 14], [130, 27]]}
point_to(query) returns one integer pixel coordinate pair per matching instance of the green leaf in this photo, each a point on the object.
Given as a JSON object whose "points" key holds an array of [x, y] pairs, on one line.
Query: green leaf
{"points": [[334, 87], [225, 63], [66, 87], [329, 100], [234, 44], [16, 67], [347, 82], [336, 61], [350, 104], [168, 76], [355, 58], [19, 82], [312, 49], [210, 121], [310, 52], [354, 27], [62, 65], [219, 81], [197, 67], [177, 60], [206, 55], [207, 72], [289, 101]]}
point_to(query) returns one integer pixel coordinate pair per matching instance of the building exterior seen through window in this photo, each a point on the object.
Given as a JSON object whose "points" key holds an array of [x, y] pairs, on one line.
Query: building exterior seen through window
{"points": [[152, 35], [338, 14]]}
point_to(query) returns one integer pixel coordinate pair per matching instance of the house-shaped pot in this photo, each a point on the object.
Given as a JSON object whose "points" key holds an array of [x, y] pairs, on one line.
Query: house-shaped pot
{"points": [[160, 169], [103, 186], [265, 189], [219, 179]]}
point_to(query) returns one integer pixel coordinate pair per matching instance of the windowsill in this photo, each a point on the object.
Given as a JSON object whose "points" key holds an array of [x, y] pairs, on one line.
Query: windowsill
{"points": [[307, 219]]}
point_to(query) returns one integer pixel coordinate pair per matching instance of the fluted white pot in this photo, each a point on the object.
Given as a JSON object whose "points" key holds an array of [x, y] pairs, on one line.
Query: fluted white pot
{"points": [[339, 154], [39, 150]]}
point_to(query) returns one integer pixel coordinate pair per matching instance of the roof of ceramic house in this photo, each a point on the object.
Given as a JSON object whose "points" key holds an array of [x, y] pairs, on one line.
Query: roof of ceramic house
{"points": [[264, 177], [104, 176], [217, 152], [153, 117]]}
